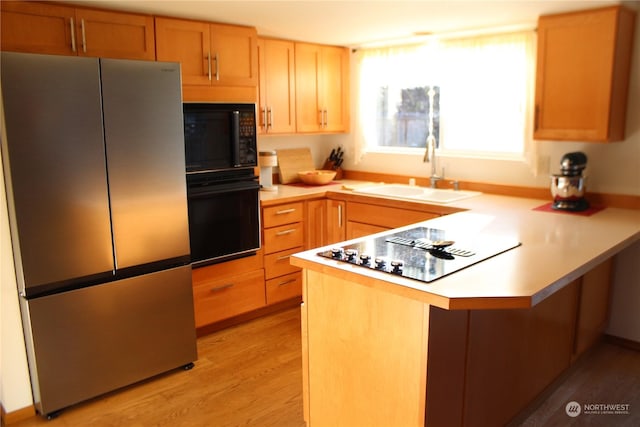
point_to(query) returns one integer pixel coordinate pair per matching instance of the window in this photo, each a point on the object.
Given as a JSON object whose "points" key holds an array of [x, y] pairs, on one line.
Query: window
{"points": [[406, 117], [474, 94]]}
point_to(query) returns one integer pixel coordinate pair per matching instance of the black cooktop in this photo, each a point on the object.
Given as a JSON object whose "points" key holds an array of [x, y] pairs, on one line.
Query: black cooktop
{"points": [[421, 253]]}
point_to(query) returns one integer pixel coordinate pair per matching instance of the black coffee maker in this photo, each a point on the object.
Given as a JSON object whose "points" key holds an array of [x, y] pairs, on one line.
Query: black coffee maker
{"points": [[568, 187]]}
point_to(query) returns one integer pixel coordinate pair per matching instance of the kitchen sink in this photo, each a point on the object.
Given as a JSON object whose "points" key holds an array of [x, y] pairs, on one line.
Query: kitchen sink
{"points": [[412, 192]]}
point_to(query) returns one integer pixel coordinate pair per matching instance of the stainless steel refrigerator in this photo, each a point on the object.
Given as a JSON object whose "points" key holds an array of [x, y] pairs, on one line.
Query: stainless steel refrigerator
{"points": [[94, 165]]}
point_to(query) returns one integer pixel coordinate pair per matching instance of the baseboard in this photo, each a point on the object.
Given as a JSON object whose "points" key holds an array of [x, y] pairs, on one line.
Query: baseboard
{"points": [[14, 417], [243, 318], [623, 342]]}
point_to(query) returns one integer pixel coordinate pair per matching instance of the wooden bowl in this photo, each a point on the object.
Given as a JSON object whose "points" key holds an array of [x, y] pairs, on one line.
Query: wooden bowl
{"points": [[317, 177]]}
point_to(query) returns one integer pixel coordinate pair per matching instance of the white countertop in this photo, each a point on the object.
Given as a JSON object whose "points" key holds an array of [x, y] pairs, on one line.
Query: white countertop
{"points": [[557, 248]]}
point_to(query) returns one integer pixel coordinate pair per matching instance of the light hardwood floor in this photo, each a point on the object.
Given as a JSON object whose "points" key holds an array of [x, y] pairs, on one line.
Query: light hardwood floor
{"points": [[250, 375]]}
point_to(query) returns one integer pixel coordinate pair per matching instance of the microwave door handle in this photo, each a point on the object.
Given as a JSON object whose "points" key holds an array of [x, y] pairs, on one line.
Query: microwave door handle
{"points": [[235, 138]]}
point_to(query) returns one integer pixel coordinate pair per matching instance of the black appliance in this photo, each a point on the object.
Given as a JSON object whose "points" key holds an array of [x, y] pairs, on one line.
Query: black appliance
{"points": [[422, 253], [94, 160], [219, 136], [224, 215]]}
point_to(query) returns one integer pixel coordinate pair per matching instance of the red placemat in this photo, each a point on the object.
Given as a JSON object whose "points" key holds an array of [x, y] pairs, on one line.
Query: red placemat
{"points": [[587, 212], [302, 184]]}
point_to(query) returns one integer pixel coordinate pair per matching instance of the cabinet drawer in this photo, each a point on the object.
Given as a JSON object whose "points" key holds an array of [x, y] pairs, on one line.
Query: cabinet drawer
{"points": [[282, 214], [383, 216], [287, 236], [277, 264], [221, 298], [284, 287]]}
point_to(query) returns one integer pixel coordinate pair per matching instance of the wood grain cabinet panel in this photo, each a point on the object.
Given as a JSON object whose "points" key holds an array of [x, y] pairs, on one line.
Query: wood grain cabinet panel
{"points": [[218, 298], [283, 235], [322, 88], [186, 42], [37, 28], [277, 101], [593, 313], [364, 219], [582, 78], [61, 30], [284, 287], [513, 355], [287, 213], [219, 62], [277, 264]]}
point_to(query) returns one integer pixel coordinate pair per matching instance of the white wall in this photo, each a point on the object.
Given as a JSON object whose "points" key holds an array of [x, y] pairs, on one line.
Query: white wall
{"points": [[625, 299], [15, 388]]}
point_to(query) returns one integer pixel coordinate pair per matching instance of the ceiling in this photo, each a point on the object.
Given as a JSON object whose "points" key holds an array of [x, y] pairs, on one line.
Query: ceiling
{"points": [[355, 23]]}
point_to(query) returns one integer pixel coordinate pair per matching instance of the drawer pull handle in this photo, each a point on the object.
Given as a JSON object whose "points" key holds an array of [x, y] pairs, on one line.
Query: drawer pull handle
{"points": [[286, 282], [283, 232], [221, 287], [285, 211], [283, 257]]}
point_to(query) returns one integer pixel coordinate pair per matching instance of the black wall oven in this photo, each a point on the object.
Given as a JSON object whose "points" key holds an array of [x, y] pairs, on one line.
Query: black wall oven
{"points": [[222, 188], [224, 215]]}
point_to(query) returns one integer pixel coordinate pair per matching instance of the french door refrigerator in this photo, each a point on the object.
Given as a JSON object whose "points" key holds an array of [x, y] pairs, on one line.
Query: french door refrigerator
{"points": [[95, 172]]}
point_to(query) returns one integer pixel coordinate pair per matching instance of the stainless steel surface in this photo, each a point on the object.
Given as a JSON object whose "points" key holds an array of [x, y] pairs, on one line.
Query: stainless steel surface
{"points": [[217, 67], [84, 37], [77, 205], [145, 155], [93, 340], [57, 161], [567, 187], [72, 26]]}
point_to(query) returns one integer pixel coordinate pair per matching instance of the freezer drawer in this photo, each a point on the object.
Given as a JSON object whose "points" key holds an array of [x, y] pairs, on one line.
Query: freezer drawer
{"points": [[93, 340]]}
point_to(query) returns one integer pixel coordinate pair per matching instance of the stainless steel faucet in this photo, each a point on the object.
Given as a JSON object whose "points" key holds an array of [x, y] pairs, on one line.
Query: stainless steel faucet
{"points": [[430, 157]]}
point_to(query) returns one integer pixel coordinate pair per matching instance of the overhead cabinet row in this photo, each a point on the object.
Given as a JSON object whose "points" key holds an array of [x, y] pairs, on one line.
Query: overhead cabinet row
{"points": [[300, 87], [56, 29]]}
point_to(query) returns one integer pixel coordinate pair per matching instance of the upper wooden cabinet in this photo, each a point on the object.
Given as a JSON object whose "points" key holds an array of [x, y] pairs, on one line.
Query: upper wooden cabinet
{"points": [[322, 88], [211, 55], [276, 100], [61, 30], [583, 68]]}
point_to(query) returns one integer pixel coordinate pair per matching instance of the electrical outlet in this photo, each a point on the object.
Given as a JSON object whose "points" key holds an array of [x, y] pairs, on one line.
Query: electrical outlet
{"points": [[543, 164]]}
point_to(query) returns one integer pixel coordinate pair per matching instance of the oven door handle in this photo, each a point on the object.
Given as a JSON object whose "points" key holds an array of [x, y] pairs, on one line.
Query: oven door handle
{"points": [[222, 189]]}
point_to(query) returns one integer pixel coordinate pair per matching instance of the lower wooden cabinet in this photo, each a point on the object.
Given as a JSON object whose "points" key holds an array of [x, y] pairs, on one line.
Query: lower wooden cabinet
{"points": [[364, 219], [326, 222], [284, 287], [225, 290], [593, 312]]}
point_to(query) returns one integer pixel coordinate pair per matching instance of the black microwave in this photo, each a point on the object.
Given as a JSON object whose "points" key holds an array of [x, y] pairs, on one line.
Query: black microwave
{"points": [[219, 136]]}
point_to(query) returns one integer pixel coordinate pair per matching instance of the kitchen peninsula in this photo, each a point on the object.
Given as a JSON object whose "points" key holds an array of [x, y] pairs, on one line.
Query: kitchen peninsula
{"points": [[472, 348]]}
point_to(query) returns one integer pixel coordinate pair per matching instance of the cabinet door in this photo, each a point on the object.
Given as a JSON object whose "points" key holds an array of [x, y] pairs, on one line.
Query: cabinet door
{"points": [[187, 42], [582, 75], [114, 35], [593, 311], [316, 220], [358, 229], [334, 84], [336, 222], [277, 86], [234, 55], [308, 109], [37, 28]]}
